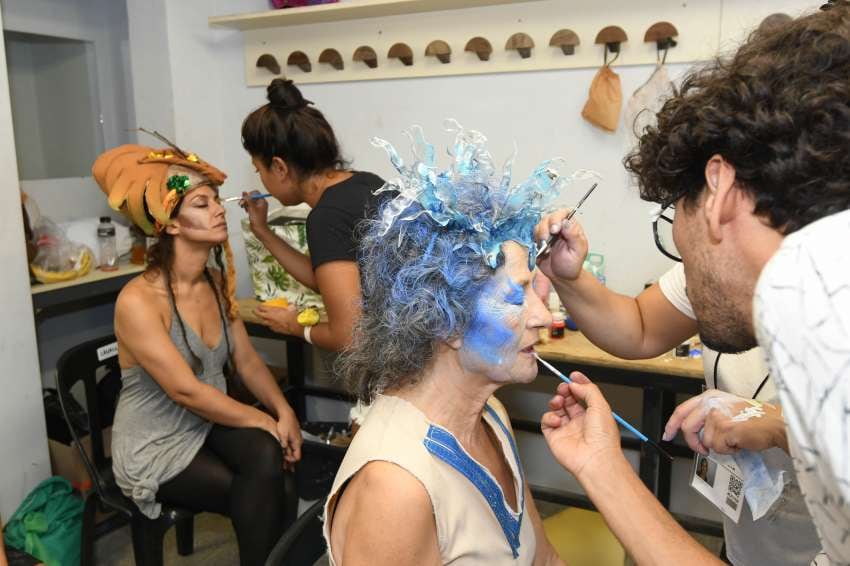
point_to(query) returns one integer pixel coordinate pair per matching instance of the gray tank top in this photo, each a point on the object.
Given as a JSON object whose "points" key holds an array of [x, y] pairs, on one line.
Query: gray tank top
{"points": [[154, 438]]}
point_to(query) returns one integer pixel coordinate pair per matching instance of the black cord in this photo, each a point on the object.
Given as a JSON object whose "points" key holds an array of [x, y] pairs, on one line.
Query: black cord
{"points": [[761, 385], [716, 363], [758, 389]]}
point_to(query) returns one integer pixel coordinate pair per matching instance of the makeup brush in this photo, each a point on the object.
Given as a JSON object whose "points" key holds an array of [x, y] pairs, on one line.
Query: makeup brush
{"points": [[617, 417], [547, 246], [252, 197]]}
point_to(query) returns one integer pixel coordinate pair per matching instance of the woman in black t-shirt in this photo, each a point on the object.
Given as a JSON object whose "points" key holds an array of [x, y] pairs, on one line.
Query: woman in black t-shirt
{"points": [[296, 154]]}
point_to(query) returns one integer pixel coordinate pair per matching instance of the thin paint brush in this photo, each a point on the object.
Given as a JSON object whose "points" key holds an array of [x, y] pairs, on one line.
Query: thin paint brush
{"points": [[547, 246], [617, 417], [252, 197]]}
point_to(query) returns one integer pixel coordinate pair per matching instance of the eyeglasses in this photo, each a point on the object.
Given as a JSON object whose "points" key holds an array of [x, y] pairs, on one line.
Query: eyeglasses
{"points": [[663, 234]]}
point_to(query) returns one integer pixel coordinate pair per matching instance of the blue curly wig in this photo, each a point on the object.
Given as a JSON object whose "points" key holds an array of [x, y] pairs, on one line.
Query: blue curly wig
{"points": [[432, 250]]}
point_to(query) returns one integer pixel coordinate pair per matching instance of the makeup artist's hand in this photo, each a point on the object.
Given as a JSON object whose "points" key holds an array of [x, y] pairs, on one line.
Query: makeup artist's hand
{"points": [[282, 320], [727, 423], [258, 212], [289, 432], [579, 427], [566, 258]]}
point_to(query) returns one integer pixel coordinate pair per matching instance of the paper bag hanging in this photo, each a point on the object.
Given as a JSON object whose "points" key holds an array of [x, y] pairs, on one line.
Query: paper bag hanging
{"points": [[602, 108]]}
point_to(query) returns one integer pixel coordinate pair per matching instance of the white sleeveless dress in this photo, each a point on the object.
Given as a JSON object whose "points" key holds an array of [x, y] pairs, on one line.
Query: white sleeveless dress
{"points": [[475, 524]]}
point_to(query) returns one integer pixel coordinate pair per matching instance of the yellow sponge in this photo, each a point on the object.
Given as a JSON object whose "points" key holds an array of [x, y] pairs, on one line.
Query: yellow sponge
{"points": [[279, 302], [308, 317]]}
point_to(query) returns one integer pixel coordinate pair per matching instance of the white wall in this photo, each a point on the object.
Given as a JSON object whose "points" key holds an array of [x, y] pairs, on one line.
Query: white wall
{"points": [[23, 440]]}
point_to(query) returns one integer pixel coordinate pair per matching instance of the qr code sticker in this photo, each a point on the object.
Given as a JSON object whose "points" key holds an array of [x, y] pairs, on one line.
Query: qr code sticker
{"points": [[733, 495]]}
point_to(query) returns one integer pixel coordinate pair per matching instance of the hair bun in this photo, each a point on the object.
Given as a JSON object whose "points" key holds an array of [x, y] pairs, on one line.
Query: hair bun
{"points": [[282, 93]]}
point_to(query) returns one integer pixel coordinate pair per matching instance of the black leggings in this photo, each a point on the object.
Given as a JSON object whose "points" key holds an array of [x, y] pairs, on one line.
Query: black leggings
{"points": [[238, 472]]}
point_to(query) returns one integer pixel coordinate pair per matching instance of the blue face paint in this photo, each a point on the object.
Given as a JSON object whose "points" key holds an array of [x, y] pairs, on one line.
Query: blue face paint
{"points": [[490, 335], [516, 294]]}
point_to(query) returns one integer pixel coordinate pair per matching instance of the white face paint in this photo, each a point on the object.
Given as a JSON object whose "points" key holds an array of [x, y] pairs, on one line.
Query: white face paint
{"points": [[753, 412], [726, 404]]}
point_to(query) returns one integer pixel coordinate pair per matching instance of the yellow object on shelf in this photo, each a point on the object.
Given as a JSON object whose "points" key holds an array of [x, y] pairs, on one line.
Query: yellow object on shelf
{"points": [[581, 538], [279, 302], [308, 317], [83, 267]]}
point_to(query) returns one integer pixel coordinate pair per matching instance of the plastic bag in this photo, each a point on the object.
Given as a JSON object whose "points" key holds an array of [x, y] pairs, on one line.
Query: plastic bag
{"points": [[84, 231], [48, 524], [57, 258], [763, 485], [645, 103]]}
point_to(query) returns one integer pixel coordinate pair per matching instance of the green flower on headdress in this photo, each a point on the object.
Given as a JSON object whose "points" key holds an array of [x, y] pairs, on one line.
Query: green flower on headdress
{"points": [[178, 183]]}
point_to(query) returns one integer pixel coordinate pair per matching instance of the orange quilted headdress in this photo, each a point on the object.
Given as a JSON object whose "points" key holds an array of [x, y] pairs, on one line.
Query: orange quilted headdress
{"points": [[145, 184]]}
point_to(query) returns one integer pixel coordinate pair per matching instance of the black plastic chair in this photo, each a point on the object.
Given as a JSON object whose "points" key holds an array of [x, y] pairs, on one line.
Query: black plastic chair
{"points": [[80, 364], [303, 543]]}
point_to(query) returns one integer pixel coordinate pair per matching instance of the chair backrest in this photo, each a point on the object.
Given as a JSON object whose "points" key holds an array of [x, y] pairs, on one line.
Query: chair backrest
{"points": [[80, 364], [303, 542]]}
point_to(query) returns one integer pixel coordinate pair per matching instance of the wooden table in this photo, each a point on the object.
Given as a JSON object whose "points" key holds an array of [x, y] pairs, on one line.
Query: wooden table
{"points": [[575, 348], [94, 288], [659, 380]]}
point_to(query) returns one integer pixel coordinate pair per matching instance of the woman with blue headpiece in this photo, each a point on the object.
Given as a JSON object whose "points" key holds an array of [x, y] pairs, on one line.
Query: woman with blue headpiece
{"points": [[449, 316]]}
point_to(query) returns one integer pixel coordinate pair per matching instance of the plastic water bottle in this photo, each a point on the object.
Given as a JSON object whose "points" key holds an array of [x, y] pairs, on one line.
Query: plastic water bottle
{"points": [[107, 247], [595, 264]]}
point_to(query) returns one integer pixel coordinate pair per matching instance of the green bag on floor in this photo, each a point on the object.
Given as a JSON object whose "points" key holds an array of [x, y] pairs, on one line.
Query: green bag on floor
{"points": [[48, 524]]}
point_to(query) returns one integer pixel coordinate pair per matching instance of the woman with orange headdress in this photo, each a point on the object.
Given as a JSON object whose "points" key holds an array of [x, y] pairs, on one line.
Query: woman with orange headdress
{"points": [[178, 437]]}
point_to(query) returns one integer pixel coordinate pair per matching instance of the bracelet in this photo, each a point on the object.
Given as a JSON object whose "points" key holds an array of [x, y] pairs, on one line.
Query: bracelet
{"points": [[307, 330]]}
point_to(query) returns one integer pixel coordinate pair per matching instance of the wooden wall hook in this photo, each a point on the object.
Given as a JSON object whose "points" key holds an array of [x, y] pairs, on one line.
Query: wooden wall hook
{"points": [[332, 58], [267, 61], [300, 60], [774, 21], [612, 37], [662, 33], [480, 46], [566, 39], [367, 55], [522, 43], [439, 49], [402, 52]]}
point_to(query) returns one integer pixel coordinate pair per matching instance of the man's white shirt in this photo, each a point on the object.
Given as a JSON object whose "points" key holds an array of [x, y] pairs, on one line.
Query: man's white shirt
{"points": [[801, 315]]}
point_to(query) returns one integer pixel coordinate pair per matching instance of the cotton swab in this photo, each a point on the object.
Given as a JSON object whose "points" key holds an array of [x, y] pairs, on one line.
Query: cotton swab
{"points": [[617, 417]]}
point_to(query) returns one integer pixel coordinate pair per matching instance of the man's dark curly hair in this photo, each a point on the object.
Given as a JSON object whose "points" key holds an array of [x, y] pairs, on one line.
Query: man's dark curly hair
{"points": [[778, 110]]}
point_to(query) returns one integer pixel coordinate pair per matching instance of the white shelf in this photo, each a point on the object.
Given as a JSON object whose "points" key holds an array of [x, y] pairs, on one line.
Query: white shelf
{"points": [[380, 24], [341, 11]]}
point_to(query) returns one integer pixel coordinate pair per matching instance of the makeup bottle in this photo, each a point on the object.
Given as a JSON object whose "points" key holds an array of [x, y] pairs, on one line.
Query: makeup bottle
{"points": [[558, 325]]}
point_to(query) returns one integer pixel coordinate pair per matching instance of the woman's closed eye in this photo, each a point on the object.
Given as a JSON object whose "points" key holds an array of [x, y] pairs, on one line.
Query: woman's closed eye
{"points": [[516, 294]]}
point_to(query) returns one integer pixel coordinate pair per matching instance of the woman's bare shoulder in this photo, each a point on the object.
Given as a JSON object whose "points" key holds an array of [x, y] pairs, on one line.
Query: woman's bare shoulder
{"points": [[144, 294], [385, 506]]}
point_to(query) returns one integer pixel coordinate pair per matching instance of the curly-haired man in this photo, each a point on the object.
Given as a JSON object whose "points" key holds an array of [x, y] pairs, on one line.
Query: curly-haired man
{"points": [[751, 153]]}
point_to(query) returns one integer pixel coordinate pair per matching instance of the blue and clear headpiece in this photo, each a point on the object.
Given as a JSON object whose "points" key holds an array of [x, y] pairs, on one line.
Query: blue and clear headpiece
{"points": [[468, 197]]}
